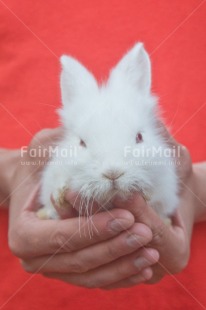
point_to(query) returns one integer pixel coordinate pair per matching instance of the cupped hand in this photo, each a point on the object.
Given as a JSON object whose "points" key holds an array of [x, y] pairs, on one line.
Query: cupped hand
{"points": [[172, 241], [111, 252]]}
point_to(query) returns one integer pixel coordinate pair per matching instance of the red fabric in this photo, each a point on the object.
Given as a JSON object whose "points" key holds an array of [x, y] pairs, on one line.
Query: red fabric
{"points": [[33, 34]]}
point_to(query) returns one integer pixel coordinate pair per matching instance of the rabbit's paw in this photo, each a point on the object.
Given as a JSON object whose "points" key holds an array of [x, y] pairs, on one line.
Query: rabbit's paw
{"points": [[58, 198], [46, 213]]}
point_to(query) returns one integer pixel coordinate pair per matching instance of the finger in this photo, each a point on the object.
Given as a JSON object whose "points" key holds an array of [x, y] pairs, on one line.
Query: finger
{"points": [[30, 236], [93, 256], [143, 277], [28, 173], [46, 137], [157, 274], [114, 272], [160, 270], [166, 134], [162, 234], [180, 151]]}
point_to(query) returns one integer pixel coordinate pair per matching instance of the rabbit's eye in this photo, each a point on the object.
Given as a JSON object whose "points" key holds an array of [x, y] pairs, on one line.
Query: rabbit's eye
{"points": [[139, 138], [82, 143]]}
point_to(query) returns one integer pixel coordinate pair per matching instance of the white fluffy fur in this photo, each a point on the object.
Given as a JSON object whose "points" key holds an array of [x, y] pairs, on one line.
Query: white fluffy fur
{"points": [[107, 118]]}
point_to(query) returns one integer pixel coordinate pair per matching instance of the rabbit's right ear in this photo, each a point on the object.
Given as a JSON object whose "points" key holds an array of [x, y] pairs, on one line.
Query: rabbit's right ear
{"points": [[133, 69], [75, 80]]}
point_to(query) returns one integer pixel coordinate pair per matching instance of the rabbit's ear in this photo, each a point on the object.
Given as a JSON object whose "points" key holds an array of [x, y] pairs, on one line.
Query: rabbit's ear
{"points": [[133, 69], [76, 80]]}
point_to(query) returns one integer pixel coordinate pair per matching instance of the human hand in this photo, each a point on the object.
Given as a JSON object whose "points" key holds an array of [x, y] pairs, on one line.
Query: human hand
{"points": [[56, 248], [171, 241]]}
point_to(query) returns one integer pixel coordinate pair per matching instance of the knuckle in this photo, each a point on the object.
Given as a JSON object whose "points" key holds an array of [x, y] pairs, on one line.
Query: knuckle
{"points": [[17, 241], [77, 267], [28, 267], [61, 242], [83, 281], [122, 271], [159, 234], [47, 275], [96, 236], [13, 243], [83, 268], [154, 280], [91, 283], [186, 258], [158, 275], [182, 265], [134, 280], [185, 154], [183, 260], [186, 162], [112, 252], [40, 137]]}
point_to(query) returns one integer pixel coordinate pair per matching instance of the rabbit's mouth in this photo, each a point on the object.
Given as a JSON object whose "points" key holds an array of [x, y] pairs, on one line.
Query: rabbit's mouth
{"points": [[104, 201], [123, 192], [100, 199]]}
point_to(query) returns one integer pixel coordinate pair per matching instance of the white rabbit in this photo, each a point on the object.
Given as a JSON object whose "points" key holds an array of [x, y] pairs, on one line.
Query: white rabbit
{"points": [[113, 141]]}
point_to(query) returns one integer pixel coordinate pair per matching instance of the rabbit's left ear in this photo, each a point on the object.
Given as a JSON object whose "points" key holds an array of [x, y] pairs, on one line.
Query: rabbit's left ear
{"points": [[76, 80], [133, 69]]}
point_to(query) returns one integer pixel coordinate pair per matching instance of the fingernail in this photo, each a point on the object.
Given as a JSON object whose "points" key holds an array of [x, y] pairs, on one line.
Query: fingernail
{"points": [[133, 241], [141, 263], [70, 196], [118, 225]]}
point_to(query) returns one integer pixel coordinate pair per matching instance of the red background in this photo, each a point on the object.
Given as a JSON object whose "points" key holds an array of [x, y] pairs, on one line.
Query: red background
{"points": [[33, 34]]}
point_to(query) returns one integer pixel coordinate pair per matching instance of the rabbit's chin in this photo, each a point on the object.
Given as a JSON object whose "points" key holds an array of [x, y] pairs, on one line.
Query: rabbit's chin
{"points": [[95, 202], [104, 201]]}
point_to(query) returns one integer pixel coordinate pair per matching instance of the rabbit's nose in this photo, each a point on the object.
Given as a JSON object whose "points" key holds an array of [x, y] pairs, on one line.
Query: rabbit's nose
{"points": [[113, 174]]}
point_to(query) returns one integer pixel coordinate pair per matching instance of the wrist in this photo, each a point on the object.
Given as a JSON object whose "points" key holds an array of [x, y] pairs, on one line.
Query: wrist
{"points": [[8, 163], [199, 170]]}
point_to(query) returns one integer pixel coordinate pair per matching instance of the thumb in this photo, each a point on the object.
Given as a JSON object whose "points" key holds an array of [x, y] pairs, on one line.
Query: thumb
{"points": [[143, 213]]}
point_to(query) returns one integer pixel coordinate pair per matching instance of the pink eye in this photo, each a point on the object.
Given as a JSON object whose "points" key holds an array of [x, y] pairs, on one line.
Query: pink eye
{"points": [[82, 143], [139, 137]]}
